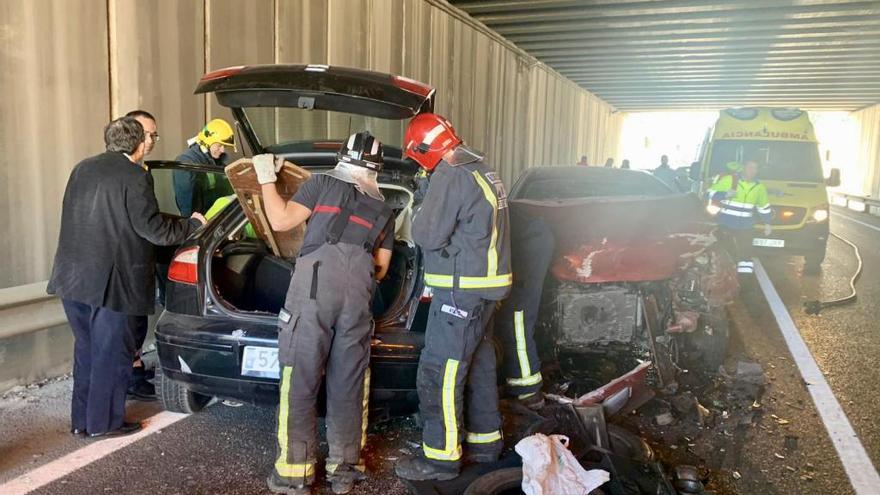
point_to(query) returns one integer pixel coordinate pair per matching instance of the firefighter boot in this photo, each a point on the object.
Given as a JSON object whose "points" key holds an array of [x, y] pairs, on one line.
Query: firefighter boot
{"points": [[277, 484], [417, 468], [343, 478]]}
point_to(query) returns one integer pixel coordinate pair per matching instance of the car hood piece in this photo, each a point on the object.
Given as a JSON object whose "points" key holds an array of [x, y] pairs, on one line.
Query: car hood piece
{"points": [[623, 239]]}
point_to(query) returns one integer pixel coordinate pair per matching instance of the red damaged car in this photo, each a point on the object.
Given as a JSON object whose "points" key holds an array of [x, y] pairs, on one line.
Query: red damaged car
{"points": [[637, 285]]}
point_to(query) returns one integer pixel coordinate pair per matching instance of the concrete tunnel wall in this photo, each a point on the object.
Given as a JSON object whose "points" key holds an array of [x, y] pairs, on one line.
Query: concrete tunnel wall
{"points": [[69, 66], [867, 169]]}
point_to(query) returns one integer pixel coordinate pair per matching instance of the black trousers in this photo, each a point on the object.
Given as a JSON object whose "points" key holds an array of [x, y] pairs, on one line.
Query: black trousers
{"points": [[456, 380], [738, 243], [105, 344]]}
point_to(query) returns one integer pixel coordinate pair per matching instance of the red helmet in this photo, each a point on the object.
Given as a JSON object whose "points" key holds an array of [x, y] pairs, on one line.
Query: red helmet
{"points": [[428, 137]]}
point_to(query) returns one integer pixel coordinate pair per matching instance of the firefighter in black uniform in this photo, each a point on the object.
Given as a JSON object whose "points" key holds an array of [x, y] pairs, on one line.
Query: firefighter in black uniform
{"points": [[462, 229], [326, 322]]}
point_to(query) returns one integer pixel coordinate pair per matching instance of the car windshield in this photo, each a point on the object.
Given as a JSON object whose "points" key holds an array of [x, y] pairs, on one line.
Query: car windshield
{"points": [[289, 129], [778, 160], [623, 184]]}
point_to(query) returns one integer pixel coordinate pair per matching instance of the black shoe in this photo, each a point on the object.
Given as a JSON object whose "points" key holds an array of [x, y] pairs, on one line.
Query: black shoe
{"points": [[142, 390], [417, 468], [277, 484], [479, 458], [78, 432], [125, 429], [343, 479]]}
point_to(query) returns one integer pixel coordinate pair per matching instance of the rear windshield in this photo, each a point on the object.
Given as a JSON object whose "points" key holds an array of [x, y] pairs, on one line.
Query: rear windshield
{"points": [[630, 184], [778, 160], [282, 129]]}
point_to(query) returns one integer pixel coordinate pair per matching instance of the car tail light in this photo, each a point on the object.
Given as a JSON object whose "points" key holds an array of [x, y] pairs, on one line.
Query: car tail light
{"points": [[412, 85], [221, 73], [184, 266], [427, 294]]}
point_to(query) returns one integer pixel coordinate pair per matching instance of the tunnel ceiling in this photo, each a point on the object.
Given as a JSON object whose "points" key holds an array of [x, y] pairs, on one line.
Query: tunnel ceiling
{"points": [[690, 54]]}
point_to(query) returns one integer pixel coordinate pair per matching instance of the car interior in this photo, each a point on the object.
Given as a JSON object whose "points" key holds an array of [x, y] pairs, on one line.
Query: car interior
{"points": [[250, 278]]}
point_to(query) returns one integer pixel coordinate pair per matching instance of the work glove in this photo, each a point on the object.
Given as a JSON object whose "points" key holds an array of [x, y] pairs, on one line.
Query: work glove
{"points": [[266, 165], [767, 229]]}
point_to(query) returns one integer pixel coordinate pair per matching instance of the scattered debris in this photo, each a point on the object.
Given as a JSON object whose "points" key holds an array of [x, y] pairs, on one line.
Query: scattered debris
{"points": [[664, 419], [778, 455], [736, 475]]}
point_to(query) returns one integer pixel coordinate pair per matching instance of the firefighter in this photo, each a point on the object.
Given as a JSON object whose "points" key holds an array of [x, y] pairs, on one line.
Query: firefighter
{"points": [[740, 196], [532, 245], [462, 229], [197, 192], [326, 323]]}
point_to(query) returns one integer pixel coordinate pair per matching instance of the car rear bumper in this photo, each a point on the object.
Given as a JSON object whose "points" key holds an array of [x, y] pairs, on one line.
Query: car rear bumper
{"points": [[205, 354], [809, 239]]}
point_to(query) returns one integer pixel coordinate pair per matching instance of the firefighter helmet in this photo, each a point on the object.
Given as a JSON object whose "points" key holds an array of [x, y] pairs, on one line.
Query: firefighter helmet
{"points": [[217, 131], [362, 149], [428, 137]]}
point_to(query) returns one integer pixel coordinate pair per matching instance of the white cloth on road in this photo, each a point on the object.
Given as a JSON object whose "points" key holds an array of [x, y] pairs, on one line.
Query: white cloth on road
{"points": [[549, 468]]}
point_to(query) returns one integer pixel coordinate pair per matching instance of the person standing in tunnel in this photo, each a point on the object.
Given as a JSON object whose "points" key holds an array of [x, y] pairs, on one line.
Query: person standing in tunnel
{"points": [[741, 196], [462, 229], [326, 322], [196, 191], [104, 272], [139, 386], [665, 173]]}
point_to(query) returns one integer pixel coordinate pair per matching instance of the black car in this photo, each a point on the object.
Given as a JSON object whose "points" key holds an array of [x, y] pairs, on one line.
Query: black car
{"points": [[217, 336]]}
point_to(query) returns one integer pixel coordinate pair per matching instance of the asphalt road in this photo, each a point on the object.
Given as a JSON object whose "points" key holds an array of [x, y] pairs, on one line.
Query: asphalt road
{"points": [[230, 449]]}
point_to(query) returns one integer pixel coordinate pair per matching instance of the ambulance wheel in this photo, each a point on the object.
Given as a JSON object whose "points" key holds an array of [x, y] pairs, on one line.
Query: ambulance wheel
{"points": [[507, 481], [813, 261], [176, 397]]}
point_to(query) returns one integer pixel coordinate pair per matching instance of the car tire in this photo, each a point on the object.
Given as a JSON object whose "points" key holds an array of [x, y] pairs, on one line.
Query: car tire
{"points": [[507, 481], [706, 347], [176, 397]]}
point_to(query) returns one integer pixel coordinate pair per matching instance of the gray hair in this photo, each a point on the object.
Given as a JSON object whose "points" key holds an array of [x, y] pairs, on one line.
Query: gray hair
{"points": [[124, 134]]}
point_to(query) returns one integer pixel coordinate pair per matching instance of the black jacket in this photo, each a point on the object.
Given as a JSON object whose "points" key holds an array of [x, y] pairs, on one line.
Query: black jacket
{"points": [[195, 192], [110, 221]]}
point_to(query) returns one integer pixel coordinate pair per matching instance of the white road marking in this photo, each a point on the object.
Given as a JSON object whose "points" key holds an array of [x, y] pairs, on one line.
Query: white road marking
{"points": [[862, 475], [78, 459], [851, 219]]}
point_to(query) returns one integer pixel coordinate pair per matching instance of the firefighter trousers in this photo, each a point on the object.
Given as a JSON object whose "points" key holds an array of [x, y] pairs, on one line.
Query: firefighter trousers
{"points": [[325, 328], [456, 380]]}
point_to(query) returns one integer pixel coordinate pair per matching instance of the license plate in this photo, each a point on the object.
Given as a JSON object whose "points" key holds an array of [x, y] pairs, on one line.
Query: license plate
{"points": [[774, 243], [260, 362]]}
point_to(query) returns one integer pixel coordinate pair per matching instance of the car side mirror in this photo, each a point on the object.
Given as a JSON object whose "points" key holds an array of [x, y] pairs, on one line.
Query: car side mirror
{"points": [[694, 172], [833, 180]]}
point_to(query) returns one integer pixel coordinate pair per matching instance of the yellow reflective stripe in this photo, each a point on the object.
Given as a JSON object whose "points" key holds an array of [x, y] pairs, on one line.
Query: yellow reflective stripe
{"points": [[492, 261], [445, 281], [281, 465], [483, 437], [452, 449], [525, 396], [519, 329], [528, 380]]}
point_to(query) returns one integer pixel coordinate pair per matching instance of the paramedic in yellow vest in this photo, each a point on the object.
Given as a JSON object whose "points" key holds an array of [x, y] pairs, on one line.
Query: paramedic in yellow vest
{"points": [[219, 205], [741, 198]]}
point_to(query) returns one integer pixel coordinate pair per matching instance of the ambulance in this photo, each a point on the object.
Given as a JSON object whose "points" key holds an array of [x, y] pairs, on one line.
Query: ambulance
{"points": [[784, 144]]}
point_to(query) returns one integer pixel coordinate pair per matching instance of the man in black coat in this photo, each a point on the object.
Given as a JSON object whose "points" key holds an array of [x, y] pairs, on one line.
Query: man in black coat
{"points": [[104, 272]]}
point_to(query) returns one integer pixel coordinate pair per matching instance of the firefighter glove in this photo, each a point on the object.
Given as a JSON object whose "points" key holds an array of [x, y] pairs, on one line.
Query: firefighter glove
{"points": [[265, 167]]}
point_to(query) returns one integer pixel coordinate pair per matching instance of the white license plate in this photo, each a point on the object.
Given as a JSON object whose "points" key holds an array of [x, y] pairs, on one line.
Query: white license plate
{"points": [[774, 243], [260, 361]]}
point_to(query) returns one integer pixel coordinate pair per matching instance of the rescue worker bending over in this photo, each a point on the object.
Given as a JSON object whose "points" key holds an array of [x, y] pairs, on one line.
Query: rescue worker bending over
{"points": [[739, 195], [326, 322], [462, 229], [196, 191]]}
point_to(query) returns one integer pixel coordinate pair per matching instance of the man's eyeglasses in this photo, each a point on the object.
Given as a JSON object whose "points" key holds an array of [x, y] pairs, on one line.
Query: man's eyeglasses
{"points": [[154, 136]]}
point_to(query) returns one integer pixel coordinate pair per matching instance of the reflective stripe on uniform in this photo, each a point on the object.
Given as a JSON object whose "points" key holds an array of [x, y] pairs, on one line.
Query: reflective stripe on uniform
{"points": [[736, 213], [765, 210], [523, 382], [737, 204], [365, 404], [284, 468], [483, 437], [492, 262], [452, 450], [445, 281], [519, 330]]}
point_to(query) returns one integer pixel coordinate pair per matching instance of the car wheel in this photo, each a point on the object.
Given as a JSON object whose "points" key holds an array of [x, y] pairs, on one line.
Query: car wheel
{"points": [[176, 397], [706, 347], [507, 481]]}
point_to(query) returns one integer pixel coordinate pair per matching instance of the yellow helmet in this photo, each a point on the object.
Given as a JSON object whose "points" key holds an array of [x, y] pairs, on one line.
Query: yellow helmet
{"points": [[734, 167], [217, 131]]}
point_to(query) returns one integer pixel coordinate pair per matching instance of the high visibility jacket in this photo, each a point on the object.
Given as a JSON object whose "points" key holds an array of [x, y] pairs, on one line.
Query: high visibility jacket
{"points": [[219, 205], [463, 230], [739, 209]]}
